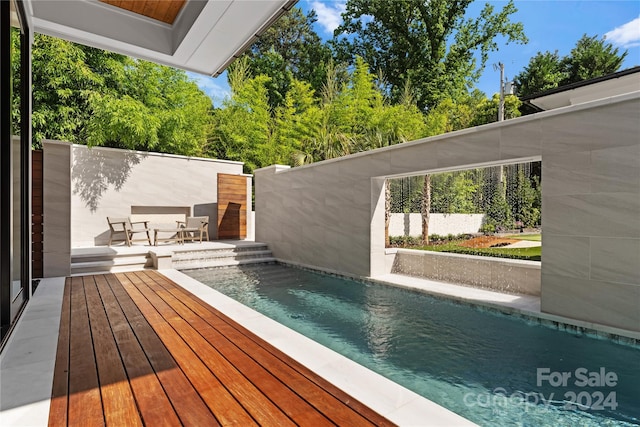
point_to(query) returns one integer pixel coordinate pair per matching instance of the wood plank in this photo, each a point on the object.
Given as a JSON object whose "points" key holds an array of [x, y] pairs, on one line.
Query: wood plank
{"points": [[223, 405], [326, 397], [232, 187], [150, 8], [173, 10], [286, 399], [161, 10], [188, 404], [232, 206], [164, 357], [231, 374], [59, 393], [153, 403], [117, 398], [231, 183], [85, 403], [237, 194]]}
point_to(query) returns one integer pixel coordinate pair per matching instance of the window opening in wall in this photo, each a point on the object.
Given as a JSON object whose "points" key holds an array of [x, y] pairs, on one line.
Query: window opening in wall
{"points": [[485, 211]]}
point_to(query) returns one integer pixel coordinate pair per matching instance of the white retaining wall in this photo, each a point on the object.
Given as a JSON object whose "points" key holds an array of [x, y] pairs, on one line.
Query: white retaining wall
{"points": [[410, 224], [331, 214], [503, 275], [85, 185]]}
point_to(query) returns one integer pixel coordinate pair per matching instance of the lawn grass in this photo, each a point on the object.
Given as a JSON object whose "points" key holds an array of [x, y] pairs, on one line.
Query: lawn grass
{"points": [[531, 237], [529, 254]]}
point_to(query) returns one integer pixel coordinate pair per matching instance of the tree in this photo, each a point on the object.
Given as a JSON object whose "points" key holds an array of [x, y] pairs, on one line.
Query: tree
{"points": [[486, 111], [544, 72], [290, 49], [15, 81], [90, 96], [296, 121], [63, 83], [425, 208], [453, 192], [454, 114], [590, 58], [499, 211], [525, 206], [355, 116], [429, 43], [156, 108], [243, 127]]}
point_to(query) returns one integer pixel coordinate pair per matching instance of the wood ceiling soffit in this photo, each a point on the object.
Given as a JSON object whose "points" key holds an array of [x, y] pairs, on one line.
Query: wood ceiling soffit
{"points": [[161, 10]]}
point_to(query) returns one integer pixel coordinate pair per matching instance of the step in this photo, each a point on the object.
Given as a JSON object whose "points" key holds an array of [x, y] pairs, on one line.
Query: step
{"points": [[106, 251], [187, 248], [114, 261], [110, 264], [113, 269], [107, 260], [217, 263], [203, 255]]}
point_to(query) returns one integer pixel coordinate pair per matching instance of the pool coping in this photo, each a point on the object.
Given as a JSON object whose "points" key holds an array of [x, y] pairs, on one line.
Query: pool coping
{"points": [[28, 360], [526, 307], [395, 402]]}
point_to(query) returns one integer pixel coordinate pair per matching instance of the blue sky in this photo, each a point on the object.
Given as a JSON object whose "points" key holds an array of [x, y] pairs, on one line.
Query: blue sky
{"points": [[550, 25]]}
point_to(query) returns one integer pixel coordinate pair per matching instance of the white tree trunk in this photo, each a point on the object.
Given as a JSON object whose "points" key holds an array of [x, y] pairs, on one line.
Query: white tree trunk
{"points": [[425, 208]]}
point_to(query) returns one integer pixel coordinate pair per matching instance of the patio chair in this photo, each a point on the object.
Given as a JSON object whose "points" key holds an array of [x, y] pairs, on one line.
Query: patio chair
{"points": [[128, 229], [194, 228]]}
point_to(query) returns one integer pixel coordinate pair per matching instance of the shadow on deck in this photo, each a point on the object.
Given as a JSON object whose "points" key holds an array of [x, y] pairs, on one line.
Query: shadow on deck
{"points": [[136, 349]]}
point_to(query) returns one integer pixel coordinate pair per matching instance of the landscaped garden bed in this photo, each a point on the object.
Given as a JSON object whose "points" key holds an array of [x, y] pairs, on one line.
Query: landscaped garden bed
{"points": [[502, 246]]}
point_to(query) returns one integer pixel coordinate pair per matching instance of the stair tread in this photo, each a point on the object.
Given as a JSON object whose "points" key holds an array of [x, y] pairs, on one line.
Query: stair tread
{"points": [[116, 269], [207, 255], [114, 261], [235, 262], [96, 262]]}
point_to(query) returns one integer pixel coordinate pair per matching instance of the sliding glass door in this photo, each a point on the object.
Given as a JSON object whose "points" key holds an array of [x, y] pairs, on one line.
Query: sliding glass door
{"points": [[15, 150]]}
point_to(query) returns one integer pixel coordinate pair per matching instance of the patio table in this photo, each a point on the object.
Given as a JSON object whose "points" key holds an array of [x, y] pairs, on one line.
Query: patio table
{"points": [[176, 237]]}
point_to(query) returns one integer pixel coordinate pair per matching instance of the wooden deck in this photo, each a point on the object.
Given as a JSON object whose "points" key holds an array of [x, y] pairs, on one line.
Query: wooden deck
{"points": [[136, 349]]}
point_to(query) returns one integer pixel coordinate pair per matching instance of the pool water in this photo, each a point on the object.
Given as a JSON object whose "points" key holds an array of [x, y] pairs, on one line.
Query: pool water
{"points": [[491, 369]]}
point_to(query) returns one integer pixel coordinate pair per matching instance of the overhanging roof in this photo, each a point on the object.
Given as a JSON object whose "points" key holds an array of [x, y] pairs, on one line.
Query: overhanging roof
{"points": [[621, 82], [205, 37]]}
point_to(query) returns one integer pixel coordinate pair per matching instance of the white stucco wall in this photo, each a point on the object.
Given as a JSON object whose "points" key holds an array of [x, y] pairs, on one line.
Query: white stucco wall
{"points": [[331, 214], [410, 224], [108, 182]]}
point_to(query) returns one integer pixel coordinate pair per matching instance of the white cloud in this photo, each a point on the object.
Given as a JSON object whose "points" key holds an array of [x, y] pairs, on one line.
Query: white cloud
{"points": [[329, 14], [216, 88], [627, 35]]}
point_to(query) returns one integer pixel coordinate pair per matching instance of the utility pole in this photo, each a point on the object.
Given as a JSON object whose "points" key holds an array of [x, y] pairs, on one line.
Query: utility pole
{"points": [[502, 83], [501, 177]]}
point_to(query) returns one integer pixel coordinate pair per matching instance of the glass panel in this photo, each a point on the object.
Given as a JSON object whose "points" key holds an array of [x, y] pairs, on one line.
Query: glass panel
{"points": [[15, 80], [17, 280]]}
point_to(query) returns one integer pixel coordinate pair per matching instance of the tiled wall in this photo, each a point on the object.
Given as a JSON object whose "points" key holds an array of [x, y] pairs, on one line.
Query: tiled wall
{"points": [[591, 215], [331, 214], [56, 254], [82, 186]]}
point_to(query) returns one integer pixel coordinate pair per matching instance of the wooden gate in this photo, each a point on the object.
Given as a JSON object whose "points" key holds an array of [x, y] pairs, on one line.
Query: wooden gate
{"points": [[36, 213], [232, 206]]}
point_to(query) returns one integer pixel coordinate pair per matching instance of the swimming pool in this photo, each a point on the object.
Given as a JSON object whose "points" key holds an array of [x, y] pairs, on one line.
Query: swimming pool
{"points": [[489, 368]]}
